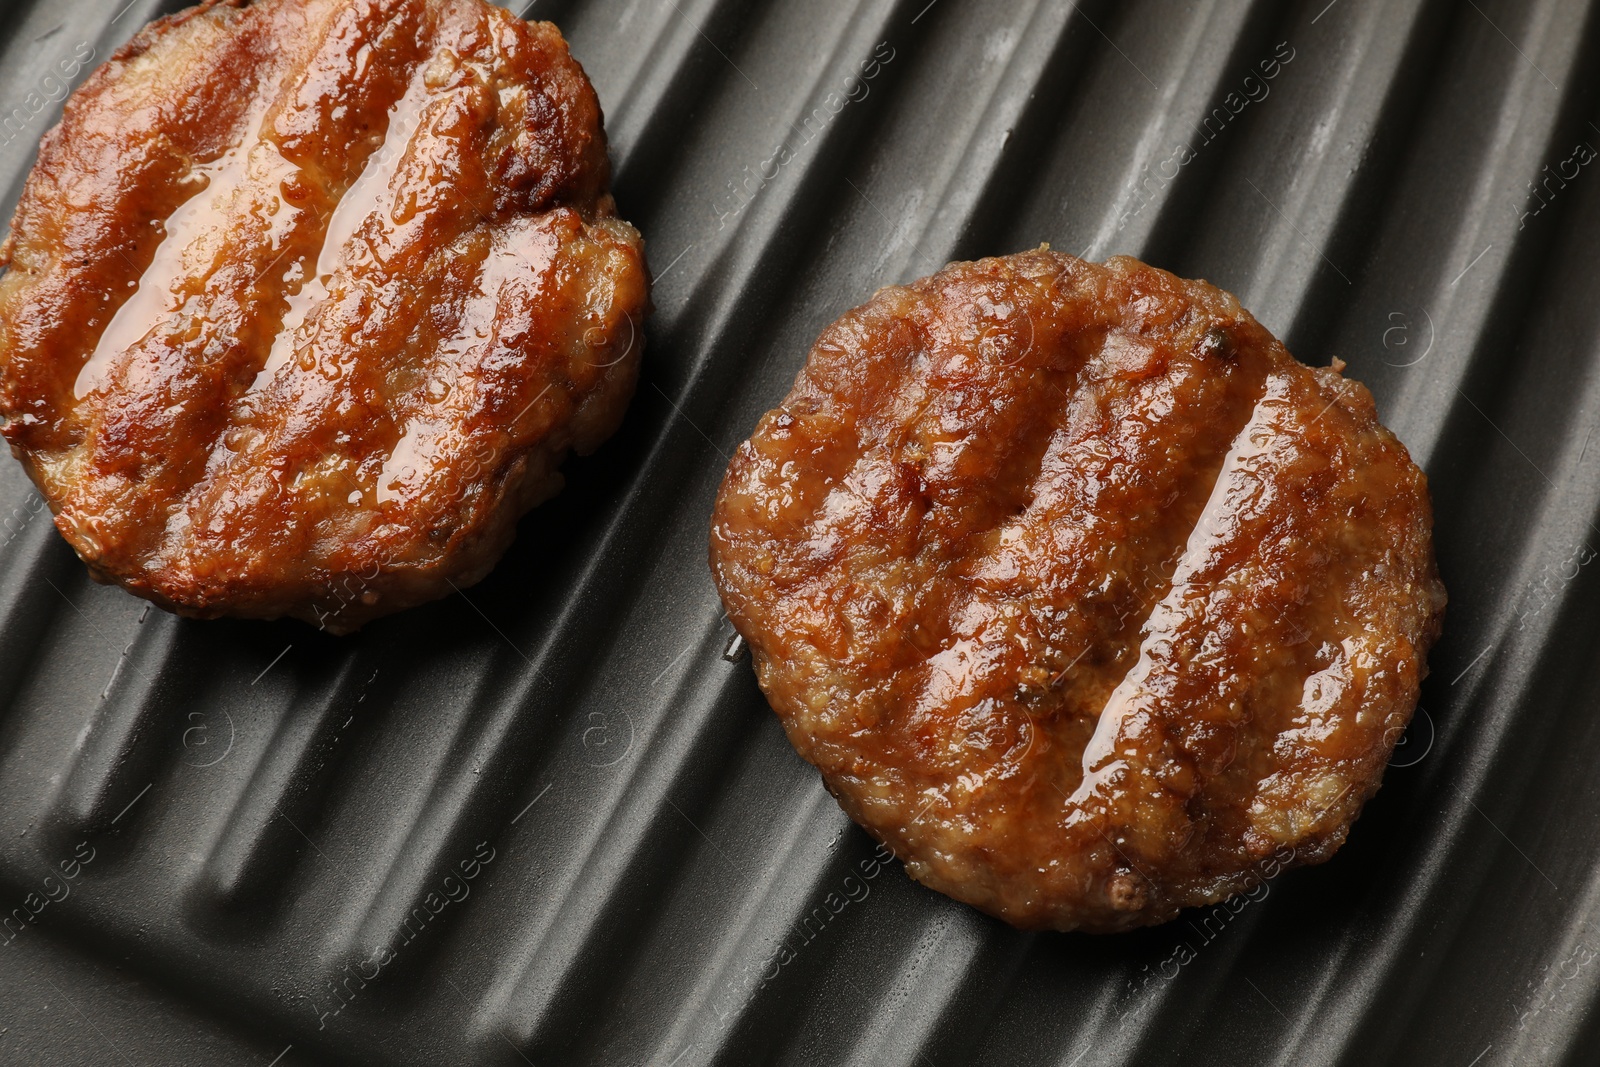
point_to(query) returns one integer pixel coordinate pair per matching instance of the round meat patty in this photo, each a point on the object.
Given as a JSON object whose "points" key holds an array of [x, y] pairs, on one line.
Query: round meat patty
{"points": [[308, 299], [1086, 598]]}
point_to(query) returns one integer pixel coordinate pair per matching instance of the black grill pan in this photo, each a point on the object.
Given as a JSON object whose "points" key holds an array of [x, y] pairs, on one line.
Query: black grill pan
{"points": [[574, 828]]}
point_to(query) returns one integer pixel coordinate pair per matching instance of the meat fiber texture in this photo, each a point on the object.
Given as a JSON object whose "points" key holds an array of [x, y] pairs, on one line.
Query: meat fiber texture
{"points": [[308, 299], [1084, 596]]}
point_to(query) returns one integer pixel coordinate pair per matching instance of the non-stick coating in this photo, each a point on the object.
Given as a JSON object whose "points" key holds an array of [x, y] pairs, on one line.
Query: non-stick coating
{"points": [[548, 821]]}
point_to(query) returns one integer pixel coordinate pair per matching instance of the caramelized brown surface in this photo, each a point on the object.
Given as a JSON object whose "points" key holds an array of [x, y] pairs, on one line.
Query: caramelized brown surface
{"points": [[309, 298], [1083, 594]]}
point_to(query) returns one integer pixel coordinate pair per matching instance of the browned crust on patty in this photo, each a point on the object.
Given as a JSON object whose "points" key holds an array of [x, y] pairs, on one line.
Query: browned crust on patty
{"points": [[309, 298], [1084, 596]]}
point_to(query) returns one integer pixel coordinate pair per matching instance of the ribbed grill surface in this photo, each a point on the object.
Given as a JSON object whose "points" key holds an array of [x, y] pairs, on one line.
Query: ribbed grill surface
{"points": [[546, 821]]}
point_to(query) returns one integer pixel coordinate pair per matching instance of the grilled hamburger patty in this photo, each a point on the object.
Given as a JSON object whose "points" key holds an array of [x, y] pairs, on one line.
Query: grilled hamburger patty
{"points": [[308, 299], [1085, 597]]}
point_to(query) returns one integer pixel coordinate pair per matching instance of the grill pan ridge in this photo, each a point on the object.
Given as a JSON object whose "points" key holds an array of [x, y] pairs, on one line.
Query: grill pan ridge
{"points": [[567, 822]]}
